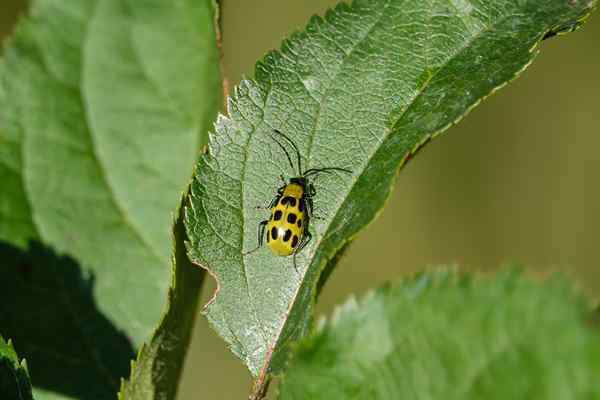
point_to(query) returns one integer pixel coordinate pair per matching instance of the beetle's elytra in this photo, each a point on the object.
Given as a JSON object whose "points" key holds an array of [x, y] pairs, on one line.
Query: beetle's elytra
{"points": [[287, 229]]}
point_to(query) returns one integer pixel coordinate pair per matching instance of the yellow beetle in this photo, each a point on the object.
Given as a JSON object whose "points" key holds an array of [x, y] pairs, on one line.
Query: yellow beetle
{"points": [[291, 209], [287, 227]]}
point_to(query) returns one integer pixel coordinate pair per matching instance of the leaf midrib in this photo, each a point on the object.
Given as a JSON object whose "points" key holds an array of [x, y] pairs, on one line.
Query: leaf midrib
{"points": [[137, 231], [387, 133], [259, 323], [270, 344]]}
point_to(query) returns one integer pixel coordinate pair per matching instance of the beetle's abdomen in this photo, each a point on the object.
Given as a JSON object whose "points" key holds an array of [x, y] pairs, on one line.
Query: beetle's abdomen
{"points": [[285, 229]]}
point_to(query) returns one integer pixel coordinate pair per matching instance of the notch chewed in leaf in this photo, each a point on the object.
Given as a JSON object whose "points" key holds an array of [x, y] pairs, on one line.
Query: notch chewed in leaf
{"points": [[362, 89]]}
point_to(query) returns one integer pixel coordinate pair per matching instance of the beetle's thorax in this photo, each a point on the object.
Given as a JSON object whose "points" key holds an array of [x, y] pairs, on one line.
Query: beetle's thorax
{"points": [[293, 189]]}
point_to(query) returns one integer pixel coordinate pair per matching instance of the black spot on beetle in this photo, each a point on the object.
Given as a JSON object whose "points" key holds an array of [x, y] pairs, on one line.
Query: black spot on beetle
{"points": [[274, 233], [288, 200], [301, 206], [299, 223], [294, 241], [277, 215], [287, 235], [291, 218]]}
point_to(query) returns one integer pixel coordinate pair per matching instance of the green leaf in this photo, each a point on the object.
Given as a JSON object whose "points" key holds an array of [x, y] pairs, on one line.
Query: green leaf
{"points": [[14, 377], [155, 374], [104, 106], [441, 335], [362, 89]]}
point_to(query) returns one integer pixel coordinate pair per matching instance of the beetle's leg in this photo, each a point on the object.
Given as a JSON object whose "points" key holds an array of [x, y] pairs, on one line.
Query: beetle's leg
{"points": [[310, 207], [261, 236], [275, 201], [308, 204], [295, 266], [305, 239], [271, 204], [261, 231]]}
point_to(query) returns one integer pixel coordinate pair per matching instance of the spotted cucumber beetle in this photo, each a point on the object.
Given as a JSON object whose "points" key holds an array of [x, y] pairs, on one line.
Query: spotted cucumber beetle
{"points": [[287, 229]]}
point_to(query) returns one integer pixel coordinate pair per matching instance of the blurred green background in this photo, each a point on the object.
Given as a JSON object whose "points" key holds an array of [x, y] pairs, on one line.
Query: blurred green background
{"points": [[517, 180]]}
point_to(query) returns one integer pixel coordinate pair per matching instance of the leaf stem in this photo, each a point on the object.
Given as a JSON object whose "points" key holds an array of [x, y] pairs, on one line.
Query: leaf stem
{"points": [[260, 387], [219, 37]]}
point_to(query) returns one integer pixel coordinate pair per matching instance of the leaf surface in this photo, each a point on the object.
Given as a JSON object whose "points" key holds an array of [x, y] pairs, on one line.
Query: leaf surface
{"points": [[14, 378], [73, 349], [104, 106], [441, 335], [362, 88], [155, 373]]}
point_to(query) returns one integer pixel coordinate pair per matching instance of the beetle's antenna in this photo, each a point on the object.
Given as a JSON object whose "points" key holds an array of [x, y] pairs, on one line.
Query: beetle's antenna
{"points": [[284, 150], [329, 170], [290, 141], [295, 265], [244, 254]]}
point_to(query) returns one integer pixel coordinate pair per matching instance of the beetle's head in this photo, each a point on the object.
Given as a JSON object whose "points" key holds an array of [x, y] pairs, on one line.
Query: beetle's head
{"points": [[300, 180]]}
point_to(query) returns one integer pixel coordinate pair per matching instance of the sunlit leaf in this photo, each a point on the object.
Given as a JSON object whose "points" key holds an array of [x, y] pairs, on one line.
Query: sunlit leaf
{"points": [[362, 88]]}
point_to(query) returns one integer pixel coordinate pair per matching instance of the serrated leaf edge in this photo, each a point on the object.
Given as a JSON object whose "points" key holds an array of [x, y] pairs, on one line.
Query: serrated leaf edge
{"points": [[223, 121]]}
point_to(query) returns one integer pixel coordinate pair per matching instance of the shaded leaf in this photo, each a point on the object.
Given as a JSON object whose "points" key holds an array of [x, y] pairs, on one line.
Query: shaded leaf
{"points": [[155, 373], [362, 89], [50, 311], [14, 378], [441, 335], [104, 106]]}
